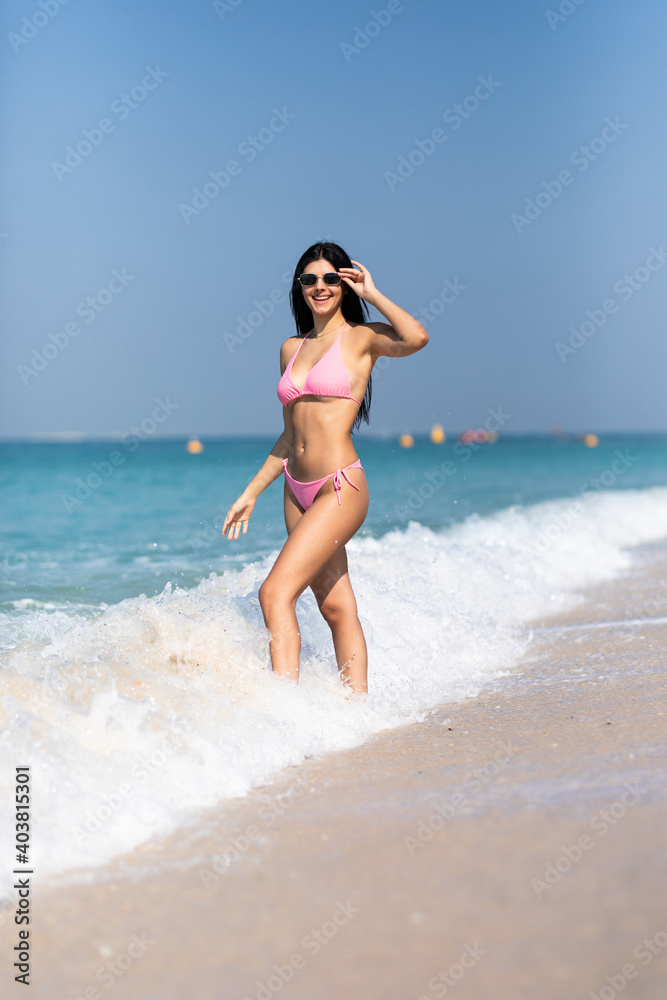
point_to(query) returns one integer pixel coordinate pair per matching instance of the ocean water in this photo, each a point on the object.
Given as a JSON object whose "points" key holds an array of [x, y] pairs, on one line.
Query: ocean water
{"points": [[134, 668]]}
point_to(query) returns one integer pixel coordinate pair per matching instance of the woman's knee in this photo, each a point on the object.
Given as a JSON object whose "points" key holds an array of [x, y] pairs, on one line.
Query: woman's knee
{"points": [[268, 595], [273, 595], [338, 609]]}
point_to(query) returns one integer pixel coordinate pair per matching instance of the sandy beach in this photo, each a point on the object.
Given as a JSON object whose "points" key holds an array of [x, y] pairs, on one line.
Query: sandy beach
{"points": [[511, 846]]}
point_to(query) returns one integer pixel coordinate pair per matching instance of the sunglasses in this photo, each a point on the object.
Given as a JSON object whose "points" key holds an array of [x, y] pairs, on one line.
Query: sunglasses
{"points": [[331, 278]]}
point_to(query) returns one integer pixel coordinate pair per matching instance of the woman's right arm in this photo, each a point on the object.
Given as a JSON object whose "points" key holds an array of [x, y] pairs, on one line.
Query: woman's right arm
{"points": [[240, 511]]}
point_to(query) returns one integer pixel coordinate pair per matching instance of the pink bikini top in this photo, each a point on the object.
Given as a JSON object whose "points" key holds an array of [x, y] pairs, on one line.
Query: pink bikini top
{"points": [[328, 377]]}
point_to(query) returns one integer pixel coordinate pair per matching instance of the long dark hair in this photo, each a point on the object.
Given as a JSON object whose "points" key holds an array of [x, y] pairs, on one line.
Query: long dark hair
{"points": [[353, 308]]}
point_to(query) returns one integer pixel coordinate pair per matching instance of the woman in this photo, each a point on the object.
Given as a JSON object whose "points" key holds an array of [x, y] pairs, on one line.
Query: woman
{"points": [[325, 390]]}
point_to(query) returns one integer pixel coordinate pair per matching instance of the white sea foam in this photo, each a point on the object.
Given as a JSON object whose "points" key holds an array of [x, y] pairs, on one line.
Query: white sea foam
{"points": [[159, 706]]}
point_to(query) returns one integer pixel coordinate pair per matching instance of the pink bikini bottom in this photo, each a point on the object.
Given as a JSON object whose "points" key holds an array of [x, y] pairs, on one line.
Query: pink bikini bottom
{"points": [[306, 492]]}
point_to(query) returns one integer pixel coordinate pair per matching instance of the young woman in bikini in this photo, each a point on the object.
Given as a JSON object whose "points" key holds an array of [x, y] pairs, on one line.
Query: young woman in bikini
{"points": [[325, 390]]}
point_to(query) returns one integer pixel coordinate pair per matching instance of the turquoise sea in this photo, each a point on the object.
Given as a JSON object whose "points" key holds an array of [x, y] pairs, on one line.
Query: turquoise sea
{"points": [[79, 529], [132, 648]]}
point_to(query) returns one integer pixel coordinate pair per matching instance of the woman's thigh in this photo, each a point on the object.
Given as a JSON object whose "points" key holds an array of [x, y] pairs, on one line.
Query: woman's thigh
{"points": [[293, 512], [332, 583], [318, 535]]}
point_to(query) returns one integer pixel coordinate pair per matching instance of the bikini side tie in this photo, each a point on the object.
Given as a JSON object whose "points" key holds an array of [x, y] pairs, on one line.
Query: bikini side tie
{"points": [[338, 482]]}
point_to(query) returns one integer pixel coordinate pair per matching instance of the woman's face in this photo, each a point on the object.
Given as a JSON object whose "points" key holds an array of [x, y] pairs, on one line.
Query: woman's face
{"points": [[323, 300]]}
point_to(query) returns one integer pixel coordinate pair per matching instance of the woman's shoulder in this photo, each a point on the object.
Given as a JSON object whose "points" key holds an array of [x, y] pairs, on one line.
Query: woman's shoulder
{"points": [[287, 349], [290, 345]]}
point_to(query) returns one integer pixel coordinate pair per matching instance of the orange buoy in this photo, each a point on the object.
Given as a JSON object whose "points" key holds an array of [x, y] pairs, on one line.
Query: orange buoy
{"points": [[438, 434], [591, 440], [194, 446], [406, 440]]}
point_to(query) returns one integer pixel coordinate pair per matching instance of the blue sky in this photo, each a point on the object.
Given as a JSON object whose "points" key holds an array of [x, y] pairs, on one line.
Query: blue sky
{"points": [[172, 92]]}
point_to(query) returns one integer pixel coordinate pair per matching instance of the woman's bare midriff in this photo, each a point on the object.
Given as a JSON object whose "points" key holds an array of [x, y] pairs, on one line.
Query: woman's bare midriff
{"points": [[319, 432]]}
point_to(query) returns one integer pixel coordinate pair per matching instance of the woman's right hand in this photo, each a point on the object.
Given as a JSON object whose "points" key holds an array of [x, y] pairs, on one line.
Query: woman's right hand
{"points": [[237, 515]]}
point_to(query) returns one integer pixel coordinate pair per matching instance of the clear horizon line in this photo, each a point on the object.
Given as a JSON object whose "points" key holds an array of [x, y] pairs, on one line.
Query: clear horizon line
{"points": [[76, 437]]}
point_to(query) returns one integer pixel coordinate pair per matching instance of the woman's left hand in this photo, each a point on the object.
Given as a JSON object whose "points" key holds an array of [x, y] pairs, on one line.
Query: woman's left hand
{"points": [[359, 281]]}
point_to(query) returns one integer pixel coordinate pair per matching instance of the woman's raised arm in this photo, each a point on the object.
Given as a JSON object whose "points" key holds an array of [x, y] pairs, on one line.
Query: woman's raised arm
{"points": [[402, 334]]}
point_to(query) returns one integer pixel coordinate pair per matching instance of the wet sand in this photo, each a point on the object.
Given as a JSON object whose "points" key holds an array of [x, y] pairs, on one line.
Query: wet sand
{"points": [[512, 846]]}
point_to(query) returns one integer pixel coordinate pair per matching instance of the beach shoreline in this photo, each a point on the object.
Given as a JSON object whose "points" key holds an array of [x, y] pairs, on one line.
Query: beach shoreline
{"points": [[514, 837]]}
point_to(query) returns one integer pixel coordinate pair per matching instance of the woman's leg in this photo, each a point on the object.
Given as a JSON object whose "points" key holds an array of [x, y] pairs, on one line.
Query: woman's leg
{"points": [[336, 600], [316, 536]]}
